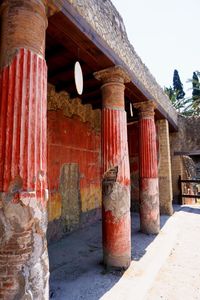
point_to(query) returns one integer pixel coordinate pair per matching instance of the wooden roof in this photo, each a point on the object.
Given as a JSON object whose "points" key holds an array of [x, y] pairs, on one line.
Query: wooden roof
{"points": [[69, 38]]}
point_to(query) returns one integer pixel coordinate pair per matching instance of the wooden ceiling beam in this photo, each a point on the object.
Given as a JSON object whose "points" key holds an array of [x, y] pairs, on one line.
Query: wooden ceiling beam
{"points": [[61, 77], [95, 104], [96, 94], [62, 30], [89, 82], [134, 95], [54, 50], [60, 71]]}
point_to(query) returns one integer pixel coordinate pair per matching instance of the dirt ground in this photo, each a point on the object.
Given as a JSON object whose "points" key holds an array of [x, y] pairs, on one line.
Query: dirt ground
{"points": [[164, 267]]}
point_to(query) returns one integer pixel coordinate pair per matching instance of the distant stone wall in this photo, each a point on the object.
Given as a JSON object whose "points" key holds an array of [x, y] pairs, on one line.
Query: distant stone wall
{"points": [[105, 20], [185, 140], [197, 165], [188, 172]]}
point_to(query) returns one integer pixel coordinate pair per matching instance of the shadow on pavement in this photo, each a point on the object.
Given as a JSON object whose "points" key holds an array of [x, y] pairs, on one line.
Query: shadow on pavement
{"points": [[75, 262], [195, 209], [139, 240]]}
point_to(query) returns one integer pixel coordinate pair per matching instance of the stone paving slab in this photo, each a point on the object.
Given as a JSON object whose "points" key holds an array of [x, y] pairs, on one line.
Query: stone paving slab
{"points": [[179, 277], [77, 272], [170, 270]]}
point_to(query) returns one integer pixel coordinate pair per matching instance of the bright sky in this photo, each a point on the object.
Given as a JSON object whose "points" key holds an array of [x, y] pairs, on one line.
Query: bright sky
{"points": [[166, 36]]}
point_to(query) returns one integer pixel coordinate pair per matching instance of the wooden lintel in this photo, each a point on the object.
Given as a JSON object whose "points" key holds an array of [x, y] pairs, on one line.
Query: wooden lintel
{"points": [[190, 196], [190, 181], [66, 69], [188, 153]]}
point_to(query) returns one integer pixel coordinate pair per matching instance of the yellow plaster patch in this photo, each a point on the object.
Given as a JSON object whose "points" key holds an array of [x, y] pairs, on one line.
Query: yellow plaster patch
{"points": [[90, 198], [54, 206]]}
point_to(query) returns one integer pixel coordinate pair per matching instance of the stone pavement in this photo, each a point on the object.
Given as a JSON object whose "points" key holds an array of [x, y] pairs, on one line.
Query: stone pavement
{"points": [[179, 277], [164, 267], [170, 270]]}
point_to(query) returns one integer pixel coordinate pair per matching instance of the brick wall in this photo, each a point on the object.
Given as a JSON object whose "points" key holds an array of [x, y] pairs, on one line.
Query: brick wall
{"points": [[13, 256]]}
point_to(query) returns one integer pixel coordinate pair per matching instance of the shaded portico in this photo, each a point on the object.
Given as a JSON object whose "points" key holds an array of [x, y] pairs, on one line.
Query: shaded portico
{"points": [[24, 59]]}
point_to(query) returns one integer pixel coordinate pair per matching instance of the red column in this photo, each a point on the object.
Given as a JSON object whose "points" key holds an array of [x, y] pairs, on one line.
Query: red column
{"points": [[23, 156], [115, 169], [149, 190]]}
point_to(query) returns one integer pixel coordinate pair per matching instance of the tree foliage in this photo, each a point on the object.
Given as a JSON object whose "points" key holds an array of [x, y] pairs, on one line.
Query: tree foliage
{"points": [[172, 94], [176, 94], [195, 103], [187, 106], [195, 86], [178, 86]]}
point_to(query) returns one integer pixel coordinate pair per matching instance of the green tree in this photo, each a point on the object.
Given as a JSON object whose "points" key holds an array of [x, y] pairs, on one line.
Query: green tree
{"points": [[187, 106], [172, 94], [195, 86], [196, 93], [179, 104], [178, 86], [192, 105]]}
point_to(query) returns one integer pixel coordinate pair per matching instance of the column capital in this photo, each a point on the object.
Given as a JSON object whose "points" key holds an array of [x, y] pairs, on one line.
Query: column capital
{"points": [[114, 74], [146, 108], [16, 31], [53, 7], [40, 6], [112, 88]]}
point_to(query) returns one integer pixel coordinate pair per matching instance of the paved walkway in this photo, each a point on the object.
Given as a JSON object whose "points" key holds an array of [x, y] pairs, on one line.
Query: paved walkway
{"points": [[179, 277], [164, 267]]}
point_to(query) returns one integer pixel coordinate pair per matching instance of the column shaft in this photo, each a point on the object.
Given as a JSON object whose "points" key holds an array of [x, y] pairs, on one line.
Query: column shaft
{"points": [[116, 173], [116, 189], [149, 190], [23, 155]]}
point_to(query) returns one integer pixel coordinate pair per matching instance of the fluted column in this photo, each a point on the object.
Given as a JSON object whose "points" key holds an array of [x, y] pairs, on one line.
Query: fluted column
{"points": [[23, 156], [149, 190], [115, 170]]}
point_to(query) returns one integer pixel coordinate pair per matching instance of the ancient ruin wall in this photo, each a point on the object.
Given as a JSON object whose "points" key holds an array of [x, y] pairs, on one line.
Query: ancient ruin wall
{"points": [[187, 139], [73, 163]]}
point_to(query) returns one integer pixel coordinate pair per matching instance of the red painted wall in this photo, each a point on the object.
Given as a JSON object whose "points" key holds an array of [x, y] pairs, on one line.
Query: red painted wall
{"points": [[72, 141], [133, 145]]}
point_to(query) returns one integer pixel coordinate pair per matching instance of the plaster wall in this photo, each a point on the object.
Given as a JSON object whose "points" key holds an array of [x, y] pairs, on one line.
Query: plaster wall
{"points": [[74, 158], [133, 144]]}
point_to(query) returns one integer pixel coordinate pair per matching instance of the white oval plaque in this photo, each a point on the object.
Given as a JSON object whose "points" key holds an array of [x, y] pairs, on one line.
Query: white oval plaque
{"points": [[78, 77]]}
